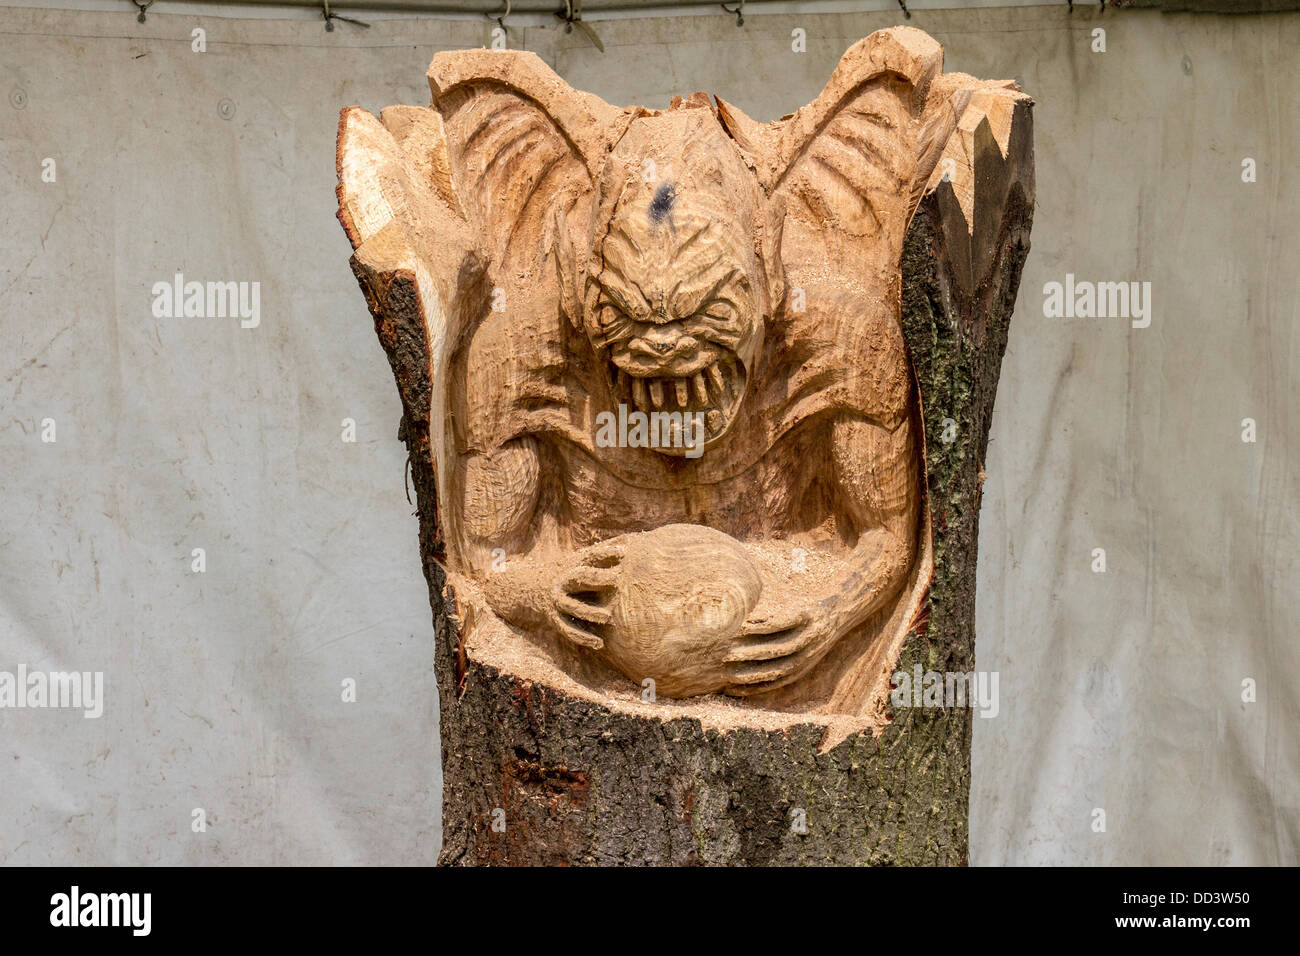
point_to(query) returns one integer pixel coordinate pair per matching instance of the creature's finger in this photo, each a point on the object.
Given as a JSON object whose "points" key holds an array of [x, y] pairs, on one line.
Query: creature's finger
{"points": [[775, 624], [755, 684], [757, 672], [589, 579], [575, 634], [582, 610], [792, 642]]}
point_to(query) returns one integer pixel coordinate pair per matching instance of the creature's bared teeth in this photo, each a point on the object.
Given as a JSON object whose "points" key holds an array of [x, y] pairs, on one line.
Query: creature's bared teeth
{"points": [[714, 420], [701, 390], [657, 393], [638, 395], [683, 392], [719, 383]]}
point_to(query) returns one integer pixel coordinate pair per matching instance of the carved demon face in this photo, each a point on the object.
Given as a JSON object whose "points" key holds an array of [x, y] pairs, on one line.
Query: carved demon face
{"points": [[676, 294]]}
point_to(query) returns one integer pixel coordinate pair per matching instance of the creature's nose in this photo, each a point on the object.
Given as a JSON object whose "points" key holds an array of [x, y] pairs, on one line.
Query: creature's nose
{"points": [[661, 339]]}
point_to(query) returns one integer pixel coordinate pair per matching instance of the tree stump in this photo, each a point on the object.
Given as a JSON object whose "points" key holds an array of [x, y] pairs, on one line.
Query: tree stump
{"points": [[792, 746]]}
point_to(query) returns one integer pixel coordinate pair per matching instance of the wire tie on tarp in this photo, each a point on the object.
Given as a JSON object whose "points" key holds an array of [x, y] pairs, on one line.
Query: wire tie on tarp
{"points": [[331, 16]]}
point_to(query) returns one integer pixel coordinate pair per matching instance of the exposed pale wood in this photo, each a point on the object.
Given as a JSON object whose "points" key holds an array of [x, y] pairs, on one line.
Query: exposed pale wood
{"points": [[535, 259]]}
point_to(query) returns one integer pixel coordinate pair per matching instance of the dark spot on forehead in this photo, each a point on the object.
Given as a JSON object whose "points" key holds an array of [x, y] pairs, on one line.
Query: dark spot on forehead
{"points": [[662, 205]]}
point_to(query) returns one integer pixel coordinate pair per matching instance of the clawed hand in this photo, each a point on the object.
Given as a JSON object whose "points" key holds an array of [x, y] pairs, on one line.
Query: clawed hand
{"points": [[768, 650], [580, 598], [773, 649]]}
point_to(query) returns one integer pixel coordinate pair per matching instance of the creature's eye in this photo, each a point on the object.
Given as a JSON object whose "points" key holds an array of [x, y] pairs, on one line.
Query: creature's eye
{"points": [[608, 314], [719, 310], [612, 323]]}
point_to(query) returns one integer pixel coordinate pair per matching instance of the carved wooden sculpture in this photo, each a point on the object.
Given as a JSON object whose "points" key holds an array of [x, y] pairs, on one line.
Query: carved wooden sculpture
{"points": [[668, 441]]}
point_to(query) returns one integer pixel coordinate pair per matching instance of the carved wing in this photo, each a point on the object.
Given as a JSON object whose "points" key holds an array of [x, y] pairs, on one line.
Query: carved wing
{"points": [[453, 212], [843, 161], [848, 171], [526, 146]]}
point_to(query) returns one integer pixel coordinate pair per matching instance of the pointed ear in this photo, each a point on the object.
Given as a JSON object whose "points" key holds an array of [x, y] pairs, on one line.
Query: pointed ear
{"points": [[844, 160], [523, 144]]}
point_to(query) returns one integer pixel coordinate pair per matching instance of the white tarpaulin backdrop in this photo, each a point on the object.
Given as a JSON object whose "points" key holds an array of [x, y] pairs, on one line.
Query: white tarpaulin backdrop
{"points": [[1120, 691]]}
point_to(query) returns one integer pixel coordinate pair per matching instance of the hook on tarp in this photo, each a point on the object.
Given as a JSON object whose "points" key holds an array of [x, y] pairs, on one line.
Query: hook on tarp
{"points": [[572, 17], [500, 18], [739, 12]]}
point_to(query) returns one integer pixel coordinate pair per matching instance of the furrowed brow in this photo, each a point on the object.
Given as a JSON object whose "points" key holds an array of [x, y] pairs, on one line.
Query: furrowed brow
{"points": [[622, 292], [693, 292]]}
